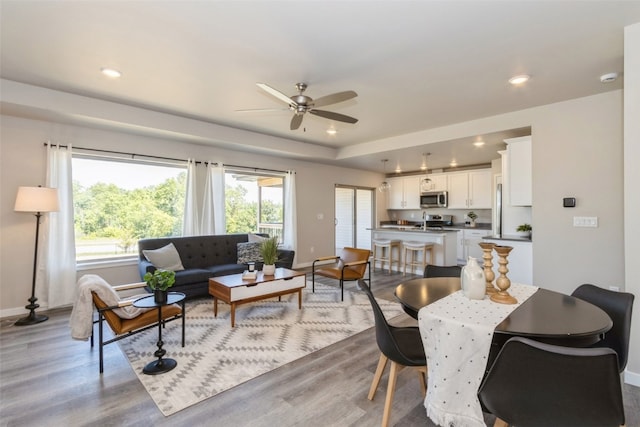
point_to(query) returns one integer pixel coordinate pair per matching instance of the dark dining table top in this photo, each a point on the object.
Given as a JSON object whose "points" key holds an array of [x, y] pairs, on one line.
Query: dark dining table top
{"points": [[546, 316]]}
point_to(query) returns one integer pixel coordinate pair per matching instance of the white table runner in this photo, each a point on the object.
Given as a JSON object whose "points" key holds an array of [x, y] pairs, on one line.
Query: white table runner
{"points": [[456, 334]]}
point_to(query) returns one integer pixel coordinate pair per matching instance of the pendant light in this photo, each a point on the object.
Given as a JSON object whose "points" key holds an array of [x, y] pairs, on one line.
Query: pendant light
{"points": [[385, 186], [426, 184]]}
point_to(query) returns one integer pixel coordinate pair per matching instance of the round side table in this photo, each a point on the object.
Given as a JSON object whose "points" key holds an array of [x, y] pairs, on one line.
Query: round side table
{"points": [[161, 365]]}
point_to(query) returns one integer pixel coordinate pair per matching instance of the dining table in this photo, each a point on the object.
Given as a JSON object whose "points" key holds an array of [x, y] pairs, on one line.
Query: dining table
{"points": [[462, 337], [547, 316]]}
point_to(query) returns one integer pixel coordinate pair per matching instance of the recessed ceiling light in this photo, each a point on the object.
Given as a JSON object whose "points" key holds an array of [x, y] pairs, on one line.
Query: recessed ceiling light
{"points": [[332, 131], [518, 80], [111, 72], [478, 143], [453, 163]]}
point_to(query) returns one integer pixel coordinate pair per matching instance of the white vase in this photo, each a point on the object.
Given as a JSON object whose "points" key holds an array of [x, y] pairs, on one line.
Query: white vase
{"points": [[472, 280], [269, 270]]}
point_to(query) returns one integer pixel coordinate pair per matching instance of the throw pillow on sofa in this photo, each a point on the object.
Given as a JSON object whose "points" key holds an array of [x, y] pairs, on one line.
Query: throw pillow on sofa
{"points": [[164, 258], [249, 252]]}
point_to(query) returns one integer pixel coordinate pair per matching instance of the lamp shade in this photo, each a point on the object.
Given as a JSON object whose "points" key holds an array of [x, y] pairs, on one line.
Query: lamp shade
{"points": [[36, 199]]}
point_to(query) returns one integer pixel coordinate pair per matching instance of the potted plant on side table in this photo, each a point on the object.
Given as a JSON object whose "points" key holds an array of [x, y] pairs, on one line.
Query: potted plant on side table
{"points": [[160, 281], [269, 252]]}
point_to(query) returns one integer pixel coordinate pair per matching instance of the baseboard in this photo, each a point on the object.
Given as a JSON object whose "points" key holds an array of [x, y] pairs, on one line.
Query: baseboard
{"points": [[17, 311], [631, 378]]}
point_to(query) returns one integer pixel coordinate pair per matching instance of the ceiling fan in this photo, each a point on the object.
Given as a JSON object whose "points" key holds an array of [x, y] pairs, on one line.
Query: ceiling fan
{"points": [[301, 104]]}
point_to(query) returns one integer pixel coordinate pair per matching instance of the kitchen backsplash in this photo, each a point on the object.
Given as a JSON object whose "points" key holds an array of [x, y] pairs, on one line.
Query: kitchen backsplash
{"points": [[459, 215]]}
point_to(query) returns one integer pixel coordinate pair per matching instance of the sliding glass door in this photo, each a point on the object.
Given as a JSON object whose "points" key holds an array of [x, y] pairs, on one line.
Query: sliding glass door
{"points": [[353, 217]]}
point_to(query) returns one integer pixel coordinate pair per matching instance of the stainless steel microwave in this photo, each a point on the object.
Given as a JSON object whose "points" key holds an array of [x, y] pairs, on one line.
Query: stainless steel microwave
{"points": [[433, 199]]}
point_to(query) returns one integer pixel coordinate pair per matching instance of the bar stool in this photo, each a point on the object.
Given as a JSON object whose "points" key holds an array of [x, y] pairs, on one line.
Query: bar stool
{"points": [[411, 259], [383, 252]]}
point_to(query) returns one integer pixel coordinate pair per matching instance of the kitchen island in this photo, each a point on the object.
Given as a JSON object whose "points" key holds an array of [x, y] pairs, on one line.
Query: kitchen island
{"points": [[444, 242]]}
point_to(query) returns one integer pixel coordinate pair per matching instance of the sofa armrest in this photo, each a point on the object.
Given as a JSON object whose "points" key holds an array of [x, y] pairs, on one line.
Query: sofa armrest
{"points": [[285, 258], [144, 267]]}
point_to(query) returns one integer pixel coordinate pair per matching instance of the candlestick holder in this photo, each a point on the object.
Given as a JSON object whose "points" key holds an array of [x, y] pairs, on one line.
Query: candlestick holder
{"points": [[489, 275], [503, 283]]}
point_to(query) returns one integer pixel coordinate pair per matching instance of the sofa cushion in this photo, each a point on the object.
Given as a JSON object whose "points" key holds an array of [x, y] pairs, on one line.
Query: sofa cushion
{"points": [[249, 252], [193, 275], [164, 258], [224, 269]]}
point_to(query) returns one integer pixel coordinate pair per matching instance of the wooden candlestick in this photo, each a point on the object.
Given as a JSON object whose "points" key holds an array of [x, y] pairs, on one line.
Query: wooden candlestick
{"points": [[489, 275], [503, 283]]}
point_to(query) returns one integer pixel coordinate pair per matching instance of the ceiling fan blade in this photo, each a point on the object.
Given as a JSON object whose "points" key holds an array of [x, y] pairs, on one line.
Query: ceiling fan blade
{"points": [[274, 92], [334, 116], [296, 121], [334, 98]]}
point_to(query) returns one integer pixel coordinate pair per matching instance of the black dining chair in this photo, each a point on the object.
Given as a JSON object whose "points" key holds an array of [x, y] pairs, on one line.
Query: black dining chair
{"points": [[442, 271], [618, 305], [536, 384], [402, 345]]}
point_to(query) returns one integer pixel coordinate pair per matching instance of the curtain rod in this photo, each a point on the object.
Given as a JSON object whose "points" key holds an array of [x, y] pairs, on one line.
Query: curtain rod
{"points": [[197, 162]]}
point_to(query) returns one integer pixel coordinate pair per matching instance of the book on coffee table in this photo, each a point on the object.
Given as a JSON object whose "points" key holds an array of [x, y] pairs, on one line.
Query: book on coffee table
{"points": [[249, 275]]}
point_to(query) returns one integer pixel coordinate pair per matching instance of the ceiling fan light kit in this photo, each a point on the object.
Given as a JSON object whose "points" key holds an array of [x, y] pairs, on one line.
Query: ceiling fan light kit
{"points": [[301, 104]]}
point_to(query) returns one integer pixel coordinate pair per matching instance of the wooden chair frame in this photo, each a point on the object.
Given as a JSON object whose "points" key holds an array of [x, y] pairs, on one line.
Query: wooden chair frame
{"points": [[105, 312], [342, 277]]}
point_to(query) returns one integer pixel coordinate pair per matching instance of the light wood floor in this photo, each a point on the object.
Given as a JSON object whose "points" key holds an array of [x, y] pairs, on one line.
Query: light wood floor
{"points": [[46, 378]]}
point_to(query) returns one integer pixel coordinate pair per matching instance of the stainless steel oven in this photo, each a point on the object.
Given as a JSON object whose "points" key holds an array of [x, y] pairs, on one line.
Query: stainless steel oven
{"points": [[433, 199]]}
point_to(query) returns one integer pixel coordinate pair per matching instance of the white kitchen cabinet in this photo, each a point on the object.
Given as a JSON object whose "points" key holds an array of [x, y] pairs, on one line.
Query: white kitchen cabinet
{"points": [[520, 181], [404, 192], [437, 182], [470, 190], [468, 244]]}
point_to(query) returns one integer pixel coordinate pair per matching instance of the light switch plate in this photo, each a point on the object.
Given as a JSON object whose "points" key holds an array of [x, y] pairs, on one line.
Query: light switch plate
{"points": [[585, 221]]}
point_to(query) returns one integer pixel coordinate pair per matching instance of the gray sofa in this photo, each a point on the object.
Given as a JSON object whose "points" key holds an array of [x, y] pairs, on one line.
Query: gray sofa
{"points": [[203, 257]]}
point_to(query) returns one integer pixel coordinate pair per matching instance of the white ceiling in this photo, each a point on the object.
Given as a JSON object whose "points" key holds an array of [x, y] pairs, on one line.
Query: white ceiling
{"points": [[416, 65]]}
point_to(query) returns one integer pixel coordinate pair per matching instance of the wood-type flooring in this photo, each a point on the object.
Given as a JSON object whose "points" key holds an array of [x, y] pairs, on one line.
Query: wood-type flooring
{"points": [[46, 378]]}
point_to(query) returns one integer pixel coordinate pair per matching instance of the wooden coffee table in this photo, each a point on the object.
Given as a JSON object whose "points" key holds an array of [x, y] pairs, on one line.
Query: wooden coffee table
{"points": [[235, 291]]}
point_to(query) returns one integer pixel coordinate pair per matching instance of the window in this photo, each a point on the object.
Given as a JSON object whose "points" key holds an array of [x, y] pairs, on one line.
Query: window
{"points": [[117, 202], [254, 203]]}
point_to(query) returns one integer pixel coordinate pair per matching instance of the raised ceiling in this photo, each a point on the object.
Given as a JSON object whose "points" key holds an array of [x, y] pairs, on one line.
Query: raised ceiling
{"points": [[416, 65]]}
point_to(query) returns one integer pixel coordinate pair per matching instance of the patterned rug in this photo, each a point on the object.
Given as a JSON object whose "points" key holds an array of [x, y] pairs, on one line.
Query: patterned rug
{"points": [[267, 335]]}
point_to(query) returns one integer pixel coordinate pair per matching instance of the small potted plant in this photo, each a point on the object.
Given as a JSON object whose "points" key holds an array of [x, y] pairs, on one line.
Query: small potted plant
{"points": [[524, 230], [269, 252], [472, 216], [160, 281]]}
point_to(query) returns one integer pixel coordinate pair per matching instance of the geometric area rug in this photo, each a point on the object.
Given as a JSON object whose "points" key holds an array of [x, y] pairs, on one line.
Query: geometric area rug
{"points": [[267, 335]]}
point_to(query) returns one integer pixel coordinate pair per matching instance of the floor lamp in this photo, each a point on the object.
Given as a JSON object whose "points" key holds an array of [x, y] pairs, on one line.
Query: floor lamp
{"points": [[36, 200]]}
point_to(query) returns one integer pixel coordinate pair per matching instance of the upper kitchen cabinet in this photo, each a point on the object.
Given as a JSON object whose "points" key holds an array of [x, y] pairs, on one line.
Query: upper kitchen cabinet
{"points": [[433, 182], [470, 189], [520, 182], [404, 192]]}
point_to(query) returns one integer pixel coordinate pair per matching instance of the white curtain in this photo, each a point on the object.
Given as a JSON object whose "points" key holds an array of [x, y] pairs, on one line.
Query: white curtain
{"points": [[191, 224], [58, 260], [213, 204], [290, 218]]}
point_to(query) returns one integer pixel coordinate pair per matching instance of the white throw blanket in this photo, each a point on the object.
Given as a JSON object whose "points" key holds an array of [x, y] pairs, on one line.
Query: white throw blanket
{"points": [[456, 334], [81, 321]]}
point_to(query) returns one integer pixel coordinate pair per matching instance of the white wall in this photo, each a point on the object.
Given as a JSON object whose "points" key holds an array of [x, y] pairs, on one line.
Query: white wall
{"points": [[631, 192]]}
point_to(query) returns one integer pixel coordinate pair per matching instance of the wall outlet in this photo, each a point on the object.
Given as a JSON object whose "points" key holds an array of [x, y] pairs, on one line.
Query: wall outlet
{"points": [[312, 249], [585, 221], [614, 288], [320, 216]]}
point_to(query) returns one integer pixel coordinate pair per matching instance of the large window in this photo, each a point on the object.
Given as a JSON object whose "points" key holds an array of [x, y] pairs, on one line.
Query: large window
{"points": [[117, 202], [254, 203]]}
